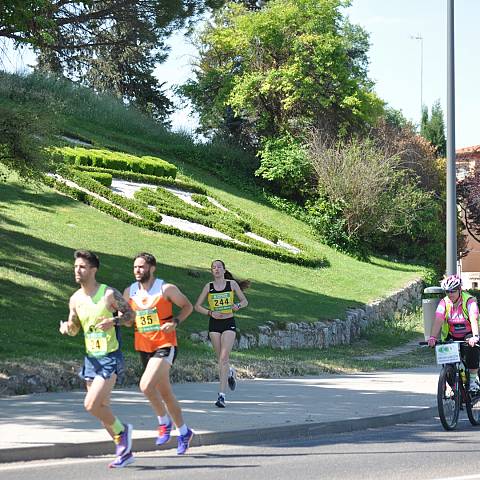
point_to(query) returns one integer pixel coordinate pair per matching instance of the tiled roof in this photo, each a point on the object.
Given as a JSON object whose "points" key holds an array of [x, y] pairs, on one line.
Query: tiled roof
{"points": [[468, 152]]}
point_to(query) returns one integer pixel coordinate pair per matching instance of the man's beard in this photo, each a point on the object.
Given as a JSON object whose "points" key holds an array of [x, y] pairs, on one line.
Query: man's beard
{"points": [[145, 277]]}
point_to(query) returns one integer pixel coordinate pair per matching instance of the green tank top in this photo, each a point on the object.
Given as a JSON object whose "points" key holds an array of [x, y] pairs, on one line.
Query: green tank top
{"points": [[98, 343]]}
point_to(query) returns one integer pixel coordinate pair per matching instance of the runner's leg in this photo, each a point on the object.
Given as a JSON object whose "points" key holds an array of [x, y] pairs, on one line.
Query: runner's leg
{"points": [[97, 399], [106, 404], [226, 344], [216, 339], [155, 385]]}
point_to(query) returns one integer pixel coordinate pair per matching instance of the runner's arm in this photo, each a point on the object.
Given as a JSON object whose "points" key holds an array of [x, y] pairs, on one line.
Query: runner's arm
{"points": [[473, 316], [117, 302], [198, 304], [174, 295], [72, 325], [240, 295]]}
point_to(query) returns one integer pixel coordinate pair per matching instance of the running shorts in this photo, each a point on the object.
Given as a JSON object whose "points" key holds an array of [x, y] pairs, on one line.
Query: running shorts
{"points": [[220, 326], [168, 353], [104, 367]]}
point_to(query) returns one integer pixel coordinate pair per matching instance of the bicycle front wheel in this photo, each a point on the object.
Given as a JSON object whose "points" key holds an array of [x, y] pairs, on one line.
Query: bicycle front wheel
{"points": [[473, 409], [448, 397]]}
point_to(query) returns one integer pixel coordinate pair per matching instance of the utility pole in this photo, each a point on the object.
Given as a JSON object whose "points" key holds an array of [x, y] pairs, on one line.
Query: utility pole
{"points": [[419, 37], [451, 157]]}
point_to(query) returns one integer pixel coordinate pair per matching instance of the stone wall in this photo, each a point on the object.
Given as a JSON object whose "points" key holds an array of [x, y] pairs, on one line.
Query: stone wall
{"points": [[326, 333]]}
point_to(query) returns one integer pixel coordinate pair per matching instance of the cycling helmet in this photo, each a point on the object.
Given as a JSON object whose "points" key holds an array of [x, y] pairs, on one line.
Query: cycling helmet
{"points": [[452, 282]]}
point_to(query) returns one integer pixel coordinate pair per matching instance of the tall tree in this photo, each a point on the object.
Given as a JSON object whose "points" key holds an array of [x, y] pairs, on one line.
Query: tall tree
{"points": [[107, 44], [290, 65], [433, 128]]}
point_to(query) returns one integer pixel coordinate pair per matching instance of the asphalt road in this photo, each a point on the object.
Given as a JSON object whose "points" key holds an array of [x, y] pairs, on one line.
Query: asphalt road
{"points": [[421, 450]]}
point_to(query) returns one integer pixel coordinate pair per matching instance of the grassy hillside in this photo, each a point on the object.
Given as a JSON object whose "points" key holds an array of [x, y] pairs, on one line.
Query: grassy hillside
{"points": [[39, 229]]}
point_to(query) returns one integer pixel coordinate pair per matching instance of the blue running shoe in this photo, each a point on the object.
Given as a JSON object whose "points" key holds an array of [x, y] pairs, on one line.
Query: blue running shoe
{"points": [[232, 380], [122, 461], [123, 441], [163, 434], [184, 442], [220, 403]]}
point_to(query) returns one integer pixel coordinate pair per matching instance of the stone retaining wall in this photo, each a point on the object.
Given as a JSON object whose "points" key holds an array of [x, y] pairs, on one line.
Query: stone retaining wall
{"points": [[326, 333]]}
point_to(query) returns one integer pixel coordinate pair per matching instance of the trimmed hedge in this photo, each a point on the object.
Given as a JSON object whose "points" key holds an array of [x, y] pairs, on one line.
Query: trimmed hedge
{"points": [[104, 178], [117, 161], [153, 222], [150, 179]]}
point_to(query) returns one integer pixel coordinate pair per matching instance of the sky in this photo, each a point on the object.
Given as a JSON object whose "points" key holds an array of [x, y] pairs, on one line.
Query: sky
{"points": [[395, 59]]}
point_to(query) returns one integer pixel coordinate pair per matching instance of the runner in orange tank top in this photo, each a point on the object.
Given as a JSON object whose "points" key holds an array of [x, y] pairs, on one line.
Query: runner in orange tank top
{"points": [[152, 301]]}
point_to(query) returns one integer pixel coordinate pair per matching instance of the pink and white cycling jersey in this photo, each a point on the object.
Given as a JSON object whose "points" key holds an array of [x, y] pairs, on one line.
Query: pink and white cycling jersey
{"points": [[459, 326]]}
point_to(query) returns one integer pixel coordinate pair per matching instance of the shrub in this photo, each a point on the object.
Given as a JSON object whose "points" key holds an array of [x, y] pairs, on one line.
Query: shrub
{"points": [[284, 163], [117, 161], [103, 178]]}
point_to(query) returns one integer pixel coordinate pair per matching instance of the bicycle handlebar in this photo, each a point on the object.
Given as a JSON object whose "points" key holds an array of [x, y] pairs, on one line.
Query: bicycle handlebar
{"points": [[441, 342]]}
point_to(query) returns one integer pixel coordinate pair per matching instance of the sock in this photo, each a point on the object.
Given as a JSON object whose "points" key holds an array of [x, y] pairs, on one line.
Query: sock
{"points": [[117, 426], [165, 420], [183, 430], [222, 394]]}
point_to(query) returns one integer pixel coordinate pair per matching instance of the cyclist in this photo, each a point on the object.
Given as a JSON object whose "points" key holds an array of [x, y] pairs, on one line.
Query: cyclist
{"points": [[222, 328], [456, 318]]}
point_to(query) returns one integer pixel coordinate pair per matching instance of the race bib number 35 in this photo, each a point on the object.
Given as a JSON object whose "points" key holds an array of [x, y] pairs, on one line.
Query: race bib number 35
{"points": [[96, 344], [147, 320]]}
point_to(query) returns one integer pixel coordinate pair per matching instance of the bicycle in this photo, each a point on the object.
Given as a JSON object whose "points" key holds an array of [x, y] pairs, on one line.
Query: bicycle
{"points": [[453, 393]]}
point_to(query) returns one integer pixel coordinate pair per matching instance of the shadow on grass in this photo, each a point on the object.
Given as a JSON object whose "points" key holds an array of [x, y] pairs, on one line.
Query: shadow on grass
{"points": [[30, 314]]}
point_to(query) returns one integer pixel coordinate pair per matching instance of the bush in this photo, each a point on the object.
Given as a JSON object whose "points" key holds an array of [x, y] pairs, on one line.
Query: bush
{"points": [[368, 201], [284, 163], [117, 161], [151, 221], [103, 178]]}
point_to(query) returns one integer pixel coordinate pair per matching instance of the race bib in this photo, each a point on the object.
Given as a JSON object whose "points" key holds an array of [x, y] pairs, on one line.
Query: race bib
{"points": [[222, 301], [147, 320], [96, 344]]}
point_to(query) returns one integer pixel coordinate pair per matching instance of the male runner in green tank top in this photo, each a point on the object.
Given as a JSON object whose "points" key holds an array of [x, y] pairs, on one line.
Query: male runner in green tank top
{"points": [[91, 308]]}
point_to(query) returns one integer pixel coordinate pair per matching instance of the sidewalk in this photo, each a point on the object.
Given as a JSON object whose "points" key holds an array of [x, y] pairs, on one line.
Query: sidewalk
{"points": [[55, 425]]}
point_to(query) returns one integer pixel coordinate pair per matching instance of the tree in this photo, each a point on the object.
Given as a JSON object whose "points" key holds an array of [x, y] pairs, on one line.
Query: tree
{"points": [[291, 65], [107, 44], [433, 128], [468, 195], [368, 201]]}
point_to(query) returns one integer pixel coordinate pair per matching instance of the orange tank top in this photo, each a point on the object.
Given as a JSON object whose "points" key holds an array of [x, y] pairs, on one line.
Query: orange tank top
{"points": [[152, 310]]}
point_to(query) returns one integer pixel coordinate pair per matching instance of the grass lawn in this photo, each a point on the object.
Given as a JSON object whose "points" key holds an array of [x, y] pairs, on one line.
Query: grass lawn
{"points": [[40, 229]]}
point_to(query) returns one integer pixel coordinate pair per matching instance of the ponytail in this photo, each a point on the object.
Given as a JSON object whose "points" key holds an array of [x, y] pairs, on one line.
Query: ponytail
{"points": [[243, 284]]}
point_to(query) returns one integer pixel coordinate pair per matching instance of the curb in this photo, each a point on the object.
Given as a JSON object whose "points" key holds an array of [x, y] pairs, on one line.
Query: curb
{"points": [[306, 431]]}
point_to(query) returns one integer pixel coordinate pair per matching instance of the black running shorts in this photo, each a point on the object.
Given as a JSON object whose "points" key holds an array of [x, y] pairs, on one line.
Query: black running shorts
{"points": [[220, 326]]}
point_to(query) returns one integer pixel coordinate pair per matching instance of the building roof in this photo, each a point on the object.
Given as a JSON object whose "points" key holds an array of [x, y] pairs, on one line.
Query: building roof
{"points": [[466, 153]]}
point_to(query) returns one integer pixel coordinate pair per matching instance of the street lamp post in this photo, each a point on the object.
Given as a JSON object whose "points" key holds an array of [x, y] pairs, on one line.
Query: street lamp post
{"points": [[419, 37], [451, 166]]}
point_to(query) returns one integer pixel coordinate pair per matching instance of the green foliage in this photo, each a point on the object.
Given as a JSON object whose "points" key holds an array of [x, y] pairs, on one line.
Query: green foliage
{"points": [[369, 202], [433, 128], [104, 178], [294, 63], [328, 222], [142, 216], [284, 162], [147, 165], [27, 122], [186, 184]]}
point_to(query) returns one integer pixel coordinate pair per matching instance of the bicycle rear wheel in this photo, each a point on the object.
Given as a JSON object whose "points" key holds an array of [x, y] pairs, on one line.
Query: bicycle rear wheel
{"points": [[473, 409], [448, 397]]}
